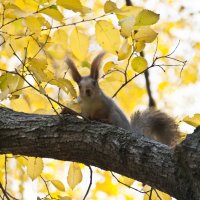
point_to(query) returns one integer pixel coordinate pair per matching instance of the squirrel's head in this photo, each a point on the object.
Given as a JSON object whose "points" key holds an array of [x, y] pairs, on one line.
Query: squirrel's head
{"points": [[88, 85]]}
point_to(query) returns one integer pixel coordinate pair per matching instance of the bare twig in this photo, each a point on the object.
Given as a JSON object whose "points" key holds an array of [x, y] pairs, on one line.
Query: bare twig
{"points": [[128, 185], [75, 23], [4, 192], [90, 184], [45, 182]]}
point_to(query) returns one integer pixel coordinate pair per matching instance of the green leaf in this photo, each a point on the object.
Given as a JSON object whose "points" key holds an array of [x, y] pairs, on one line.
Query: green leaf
{"points": [[139, 64], [146, 17]]}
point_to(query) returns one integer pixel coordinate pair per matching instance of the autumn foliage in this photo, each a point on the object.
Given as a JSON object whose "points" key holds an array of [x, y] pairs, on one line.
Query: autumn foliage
{"points": [[36, 37]]}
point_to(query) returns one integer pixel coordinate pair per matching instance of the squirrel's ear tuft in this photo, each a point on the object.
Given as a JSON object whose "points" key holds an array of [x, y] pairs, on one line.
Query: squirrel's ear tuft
{"points": [[74, 72], [96, 65]]}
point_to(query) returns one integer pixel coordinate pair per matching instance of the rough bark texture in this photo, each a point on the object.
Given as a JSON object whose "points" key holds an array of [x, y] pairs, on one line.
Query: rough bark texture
{"points": [[174, 171]]}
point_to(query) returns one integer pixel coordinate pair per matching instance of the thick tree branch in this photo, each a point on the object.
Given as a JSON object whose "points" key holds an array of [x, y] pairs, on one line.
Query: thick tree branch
{"points": [[176, 172]]}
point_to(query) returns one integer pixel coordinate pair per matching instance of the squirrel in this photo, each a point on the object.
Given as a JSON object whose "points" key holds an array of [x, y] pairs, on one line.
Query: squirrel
{"points": [[95, 105]]}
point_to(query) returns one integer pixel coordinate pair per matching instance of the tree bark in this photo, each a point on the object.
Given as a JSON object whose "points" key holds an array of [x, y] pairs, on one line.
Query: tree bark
{"points": [[174, 171]]}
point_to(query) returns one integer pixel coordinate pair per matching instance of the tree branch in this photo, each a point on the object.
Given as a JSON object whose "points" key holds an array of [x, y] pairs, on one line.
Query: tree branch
{"points": [[176, 172]]}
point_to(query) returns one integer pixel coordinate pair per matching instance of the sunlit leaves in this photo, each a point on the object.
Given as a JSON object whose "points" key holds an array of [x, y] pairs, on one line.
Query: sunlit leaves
{"points": [[139, 46], [139, 64], [26, 5], [79, 43], [74, 5], [37, 66], [127, 181], [145, 34], [74, 175], [33, 24], [109, 6], [34, 167], [127, 25], [155, 195], [64, 84], [193, 121], [107, 185], [107, 36], [58, 184], [124, 51], [128, 11], [146, 17], [9, 83], [53, 12]]}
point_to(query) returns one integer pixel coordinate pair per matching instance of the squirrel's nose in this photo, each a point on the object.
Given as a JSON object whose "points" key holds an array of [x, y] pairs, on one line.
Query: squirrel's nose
{"points": [[88, 92]]}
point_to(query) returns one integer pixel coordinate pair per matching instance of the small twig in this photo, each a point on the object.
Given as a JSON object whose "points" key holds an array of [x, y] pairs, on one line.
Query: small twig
{"points": [[75, 23], [45, 182], [6, 174], [128, 185], [4, 192], [157, 194], [90, 184], [150, 195]]}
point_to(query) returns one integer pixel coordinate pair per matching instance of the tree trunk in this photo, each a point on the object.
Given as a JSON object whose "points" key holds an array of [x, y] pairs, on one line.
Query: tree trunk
{"points": [[174, 171]]}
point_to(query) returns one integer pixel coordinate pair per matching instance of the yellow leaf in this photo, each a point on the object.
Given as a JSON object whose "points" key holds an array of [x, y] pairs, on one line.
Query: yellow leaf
{"points": [[193, 121], [107, 185], [74, 5], [34, 167], [33, 24], [65, 198], [146, 17], [79, 43], [53, 12], [2, 161], [128, 11], [190, 74], [127, 25], [126, 180], [139, 46], [155, 195], [35, 100], [124, 51], [107, 36], [37, 66], [27, 5], [9, 81], [16, 104], [23, 161], [146, 34], [33, 48], [64, 83], [58, 184], [109, 66], [74, 175], [110, 6], [60, 37], [139, 64]]}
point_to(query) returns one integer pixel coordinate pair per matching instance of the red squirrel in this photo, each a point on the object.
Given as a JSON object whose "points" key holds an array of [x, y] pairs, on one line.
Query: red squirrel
{"points": [[95, 105]]}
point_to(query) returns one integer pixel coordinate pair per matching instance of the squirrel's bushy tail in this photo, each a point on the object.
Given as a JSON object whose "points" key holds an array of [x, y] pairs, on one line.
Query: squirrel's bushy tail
{"points": [[156, 125]]}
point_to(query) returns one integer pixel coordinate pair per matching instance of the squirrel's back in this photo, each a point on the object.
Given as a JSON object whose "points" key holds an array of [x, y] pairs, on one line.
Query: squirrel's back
{"points": [[156, 125]]}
